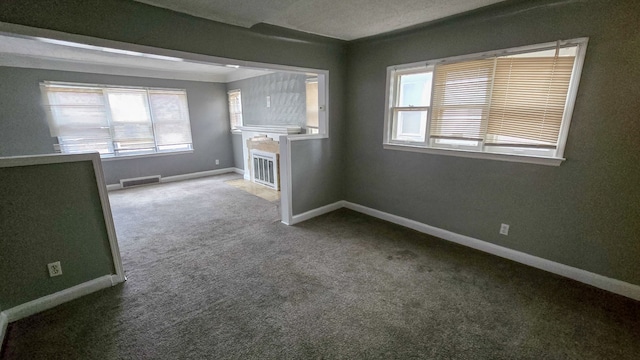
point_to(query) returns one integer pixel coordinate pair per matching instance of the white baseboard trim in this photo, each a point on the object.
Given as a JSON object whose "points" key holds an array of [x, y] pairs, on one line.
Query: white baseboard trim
{"points": [[195, 175], [117, 279], [613, 285], [315, 212], [4, 322], [55, 299]]}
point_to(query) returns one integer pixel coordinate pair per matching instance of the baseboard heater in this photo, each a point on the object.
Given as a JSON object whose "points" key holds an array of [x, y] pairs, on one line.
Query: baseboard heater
{"points": [[127, 183], [265, 169]]}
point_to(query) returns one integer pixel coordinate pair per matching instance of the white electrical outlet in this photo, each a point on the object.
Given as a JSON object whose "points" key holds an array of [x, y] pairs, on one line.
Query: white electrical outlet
{"points": [[268, 101], [504, 229], [54, 269], [217, 162]]}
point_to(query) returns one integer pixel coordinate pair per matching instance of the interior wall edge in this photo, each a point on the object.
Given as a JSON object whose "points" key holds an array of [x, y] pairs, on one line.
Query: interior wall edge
{"points": [[4, 322]]}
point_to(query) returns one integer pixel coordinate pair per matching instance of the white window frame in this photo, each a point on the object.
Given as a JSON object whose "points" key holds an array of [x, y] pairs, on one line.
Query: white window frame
{"points": [[309, 128], [511, 154], [114, 155], [235, 129], [395, 88]]}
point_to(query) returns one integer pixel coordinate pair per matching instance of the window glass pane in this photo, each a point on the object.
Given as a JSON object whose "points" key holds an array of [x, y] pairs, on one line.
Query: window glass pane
{"points": [[312, 103], [235, 108], [171, 119], [415, 89], [76, 97], [128, 107], [512, 101], [130, 121], [101, 144], [461, 99], [410, 125], [71, 120], [116, 121], [77, 112], [529, 97]]}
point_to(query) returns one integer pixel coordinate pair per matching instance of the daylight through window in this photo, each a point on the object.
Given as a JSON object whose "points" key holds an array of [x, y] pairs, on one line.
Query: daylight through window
{"points": [[514, 102], [311, 87], [117, 121], [235, 109]]}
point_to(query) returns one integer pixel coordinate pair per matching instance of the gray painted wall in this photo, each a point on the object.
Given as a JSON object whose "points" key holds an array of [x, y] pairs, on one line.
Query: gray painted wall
{"points": [[24, 129], [50, 213], [288, 99], [584, 213]]}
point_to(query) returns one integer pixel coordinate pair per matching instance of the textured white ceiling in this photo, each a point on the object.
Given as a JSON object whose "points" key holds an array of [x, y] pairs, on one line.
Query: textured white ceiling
{"points": [[341, 19], [33, 53]]}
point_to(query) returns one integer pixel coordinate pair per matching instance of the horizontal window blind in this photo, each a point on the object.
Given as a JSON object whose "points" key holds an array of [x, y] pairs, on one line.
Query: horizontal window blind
{"points": [[516, 102], [461, 94], [116, 121], [528, 99], [131, 125], [170, 118], [78, 116], [502, 101]]}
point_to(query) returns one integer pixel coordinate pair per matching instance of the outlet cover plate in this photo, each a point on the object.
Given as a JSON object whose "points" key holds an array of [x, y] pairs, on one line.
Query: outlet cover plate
{"points": [[504, 229], [54, 269]]}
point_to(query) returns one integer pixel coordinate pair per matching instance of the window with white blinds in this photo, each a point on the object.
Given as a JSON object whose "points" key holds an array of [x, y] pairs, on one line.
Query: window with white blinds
{"points": [[512, 102], [117, 121], [235, 109], [311, 87]]}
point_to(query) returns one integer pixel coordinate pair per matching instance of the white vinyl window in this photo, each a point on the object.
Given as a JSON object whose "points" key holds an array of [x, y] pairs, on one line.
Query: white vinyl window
{"points": [[117, 121], [235, 109], [515, 102], [311, 87]]}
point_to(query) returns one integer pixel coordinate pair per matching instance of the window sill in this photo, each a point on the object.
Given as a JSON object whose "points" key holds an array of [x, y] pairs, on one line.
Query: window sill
{"points": [[479, 155], [236, 132], [298, 137], [112, 158]]}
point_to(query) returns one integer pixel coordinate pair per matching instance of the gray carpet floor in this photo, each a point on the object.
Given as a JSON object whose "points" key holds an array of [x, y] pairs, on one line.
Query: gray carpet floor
{"points": [[212, 273]]}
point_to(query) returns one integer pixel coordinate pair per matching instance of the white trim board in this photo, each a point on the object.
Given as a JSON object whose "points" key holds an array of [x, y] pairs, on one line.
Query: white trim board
{"points": [[596, 280], [189, 176], [108, 219], [50, 301], [316, 212], [27, 160], [4, 322]]}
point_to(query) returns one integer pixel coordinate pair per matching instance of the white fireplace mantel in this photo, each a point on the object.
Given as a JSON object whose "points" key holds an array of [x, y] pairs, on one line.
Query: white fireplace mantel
{"points": [[272, 131]]}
